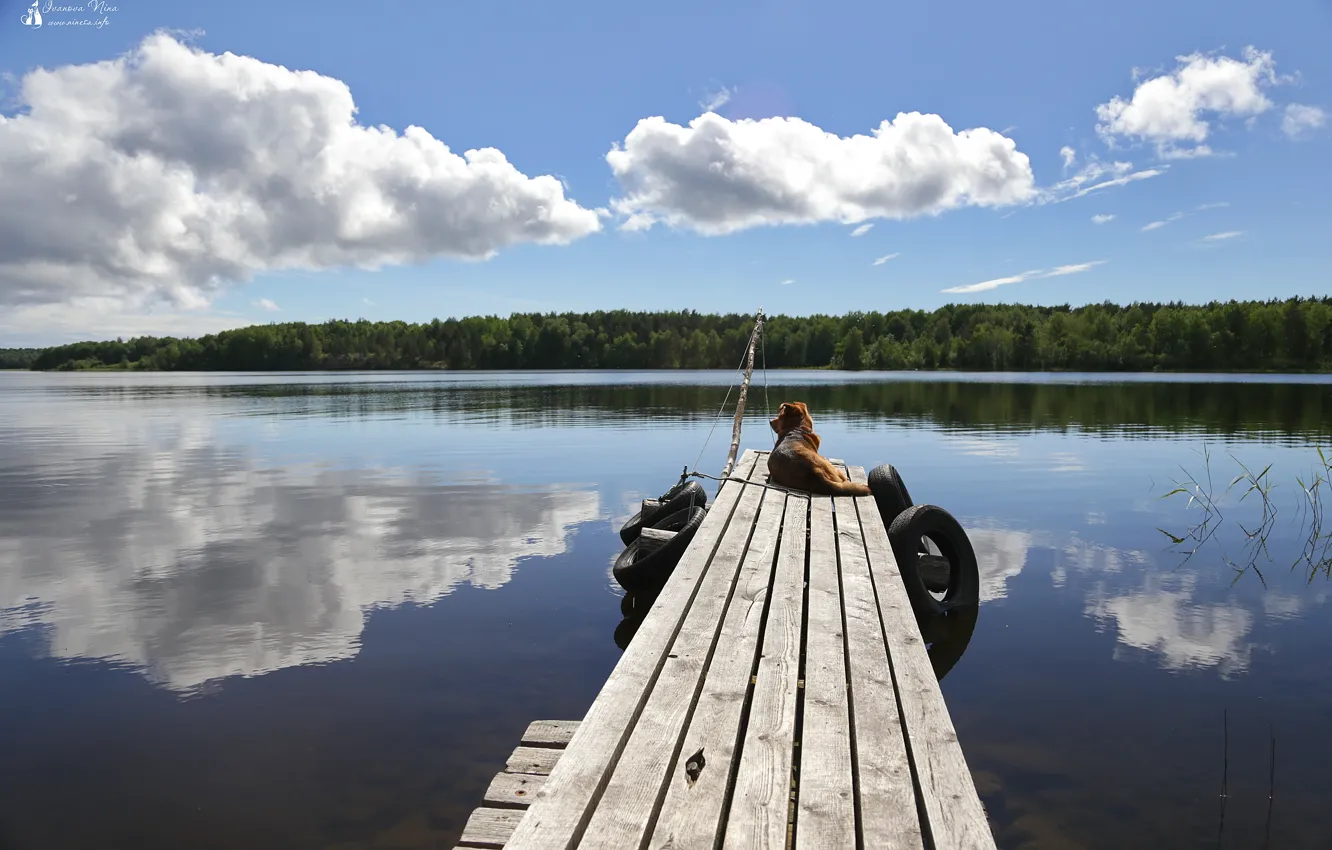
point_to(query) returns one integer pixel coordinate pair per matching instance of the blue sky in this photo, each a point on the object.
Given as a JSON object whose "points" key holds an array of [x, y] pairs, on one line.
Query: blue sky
{"points": [[1221, 141]]}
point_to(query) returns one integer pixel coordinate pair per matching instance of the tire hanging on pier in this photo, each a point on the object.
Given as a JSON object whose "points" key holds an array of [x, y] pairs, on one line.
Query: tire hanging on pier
{"points": [[689, 494], [933, 523], [892, 498], [646, 573]]}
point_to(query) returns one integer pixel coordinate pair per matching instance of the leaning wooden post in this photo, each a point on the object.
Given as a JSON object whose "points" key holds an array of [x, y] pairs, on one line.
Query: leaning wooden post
{"points": [[744, 392]]}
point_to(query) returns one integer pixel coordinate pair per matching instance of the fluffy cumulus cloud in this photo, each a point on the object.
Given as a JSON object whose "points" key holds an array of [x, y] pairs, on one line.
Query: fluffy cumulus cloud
{"points": [[719, 176], [170, 171], [1171, 110]]}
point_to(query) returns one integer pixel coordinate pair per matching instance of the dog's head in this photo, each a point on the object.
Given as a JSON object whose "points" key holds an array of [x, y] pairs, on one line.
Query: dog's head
{"points": [[792, 414]]}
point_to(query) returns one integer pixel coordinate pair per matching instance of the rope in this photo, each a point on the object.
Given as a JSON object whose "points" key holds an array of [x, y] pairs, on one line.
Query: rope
{"points": [[767, 405], [739, 368], [785, 490]]}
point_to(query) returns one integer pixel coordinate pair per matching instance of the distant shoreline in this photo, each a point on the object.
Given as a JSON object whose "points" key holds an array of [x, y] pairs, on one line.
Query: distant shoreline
{"points": [[1293, 336]]}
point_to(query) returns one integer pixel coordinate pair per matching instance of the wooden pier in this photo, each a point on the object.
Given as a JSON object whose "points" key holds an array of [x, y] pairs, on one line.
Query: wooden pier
{"points": [[778, 694]]}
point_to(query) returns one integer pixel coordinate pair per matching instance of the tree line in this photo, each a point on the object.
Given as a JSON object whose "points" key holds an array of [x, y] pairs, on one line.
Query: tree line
{"points": [[18, 358], [1294, 335]]}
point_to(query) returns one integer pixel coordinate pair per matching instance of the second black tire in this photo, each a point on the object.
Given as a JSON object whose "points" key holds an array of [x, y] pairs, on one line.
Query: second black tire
{"points": [[687, 495], [941, 528], [648, 573]]}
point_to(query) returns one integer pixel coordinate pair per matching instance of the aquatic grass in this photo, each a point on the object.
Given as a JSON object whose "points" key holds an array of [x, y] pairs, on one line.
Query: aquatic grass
{"points": [[1316, 553]]}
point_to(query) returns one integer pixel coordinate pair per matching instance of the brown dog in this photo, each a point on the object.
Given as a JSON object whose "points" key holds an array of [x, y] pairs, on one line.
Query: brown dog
{"points": [[795, 461]]}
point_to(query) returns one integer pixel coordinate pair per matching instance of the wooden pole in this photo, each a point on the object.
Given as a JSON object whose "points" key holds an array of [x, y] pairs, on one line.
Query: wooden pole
{"points": [[744, 392]]}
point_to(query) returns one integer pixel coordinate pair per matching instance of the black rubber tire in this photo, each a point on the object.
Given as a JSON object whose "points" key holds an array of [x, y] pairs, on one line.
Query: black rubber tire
{"points": [[943, 530], [649, 574], [687, 495], [890, 492]]}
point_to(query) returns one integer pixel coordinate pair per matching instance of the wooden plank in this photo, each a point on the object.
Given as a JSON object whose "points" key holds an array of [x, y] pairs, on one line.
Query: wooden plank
{"points": [[624, 813], [560, 809], [549, 733], [490, 827], [513, 789], [691, 813], [540, 760], [825, 814], [948, 793], [887, 796], [760, 801]]}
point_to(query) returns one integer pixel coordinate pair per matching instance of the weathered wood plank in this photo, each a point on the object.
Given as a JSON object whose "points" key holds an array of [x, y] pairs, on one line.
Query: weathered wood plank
{"points": [[825, 816], [624, 812], [549, 733], [761, 799], [560, 809], [490, 827], [539, 760], [691, 813], [513, 789], [952, 806], [887, 804]]}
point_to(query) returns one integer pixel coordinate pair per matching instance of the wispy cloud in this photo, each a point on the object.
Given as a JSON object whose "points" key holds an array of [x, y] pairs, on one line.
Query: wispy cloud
{"points": [[1037, 274], [1219, 237], [1175, 216], [1216, 206], [716, 100], [266, 304], [1068, 155], [1095, 176], [368, 301], [788, 281], [1300, 119], [885, 258], [862, 230], [1102, 218]]}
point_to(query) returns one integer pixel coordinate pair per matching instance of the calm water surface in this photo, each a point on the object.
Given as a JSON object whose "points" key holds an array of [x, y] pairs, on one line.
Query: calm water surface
{"points": [[317, 611]]}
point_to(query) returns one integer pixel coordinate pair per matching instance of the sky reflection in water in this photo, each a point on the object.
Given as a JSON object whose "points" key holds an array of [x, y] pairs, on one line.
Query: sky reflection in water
{"points": [[317, 611]]}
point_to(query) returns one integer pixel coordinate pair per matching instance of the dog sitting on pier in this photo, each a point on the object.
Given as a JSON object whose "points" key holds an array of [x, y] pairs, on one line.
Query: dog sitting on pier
{"points": [[795, 461]]}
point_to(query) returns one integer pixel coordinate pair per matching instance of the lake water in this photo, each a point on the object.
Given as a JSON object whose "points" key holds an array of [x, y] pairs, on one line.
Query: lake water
{"points": [[318, 611]]}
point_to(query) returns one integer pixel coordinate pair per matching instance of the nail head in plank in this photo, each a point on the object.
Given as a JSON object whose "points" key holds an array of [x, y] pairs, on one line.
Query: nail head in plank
{"points": [[513, 789], [549, 733], [948, 793], [490, 827], [826, 813], [888, 815], [760, 801], [624, 812], [539, 760], [557, 813], [692, 810]]}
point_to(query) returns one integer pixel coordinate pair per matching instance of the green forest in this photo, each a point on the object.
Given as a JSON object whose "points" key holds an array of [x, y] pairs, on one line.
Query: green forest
{"points": [[1293, 335]]}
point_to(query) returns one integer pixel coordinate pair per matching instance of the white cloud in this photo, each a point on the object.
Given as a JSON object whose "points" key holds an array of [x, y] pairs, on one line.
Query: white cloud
{"points": [[878, 261], [1229, 234], [368, 301], [1168, 110], [1068, 155], [1299, 119], [266, 304], [1102, 218], [788, 282], [105, 318], [1058, 271], [862, 230], [718, 176], [1095, 176], [1215, 206], [169, 172], [716, 100], [1175, 216]]}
